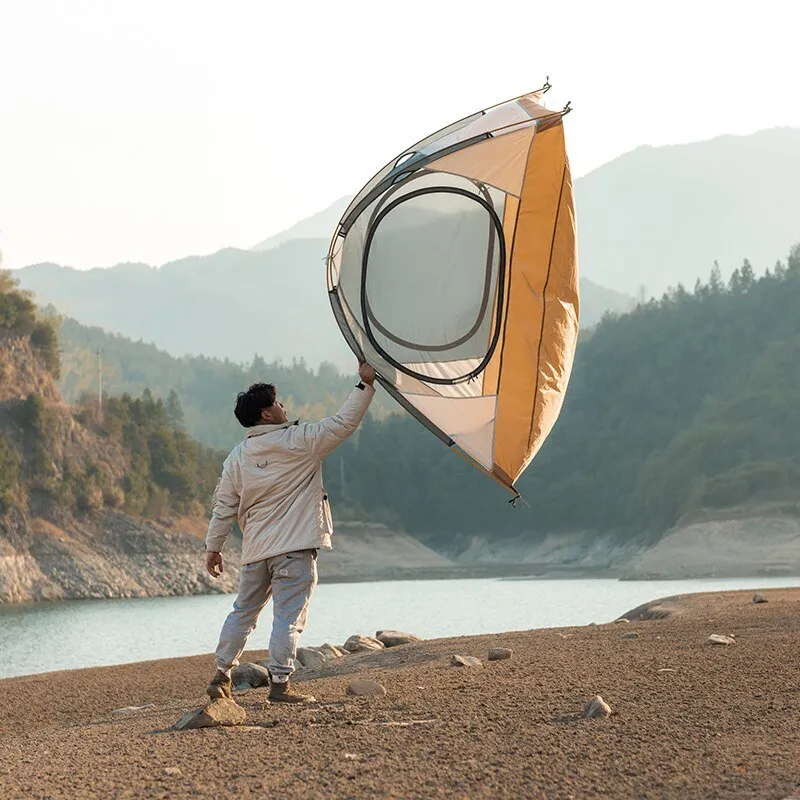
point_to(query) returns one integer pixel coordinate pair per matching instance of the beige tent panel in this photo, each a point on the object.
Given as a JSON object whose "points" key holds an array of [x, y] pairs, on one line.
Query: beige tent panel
{"points": [[499, 161], [468, 421]]}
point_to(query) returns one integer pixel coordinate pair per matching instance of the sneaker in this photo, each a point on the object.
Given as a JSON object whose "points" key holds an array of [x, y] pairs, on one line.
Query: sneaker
{"points": [[220, 686], [284, 693]]}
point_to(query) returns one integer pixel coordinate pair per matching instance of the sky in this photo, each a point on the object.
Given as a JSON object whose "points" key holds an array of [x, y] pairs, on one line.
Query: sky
{"points": [[149, 131]]}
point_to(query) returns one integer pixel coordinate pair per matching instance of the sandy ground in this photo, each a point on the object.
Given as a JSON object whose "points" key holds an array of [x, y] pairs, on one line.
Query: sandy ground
{"points": [[691, 720]]}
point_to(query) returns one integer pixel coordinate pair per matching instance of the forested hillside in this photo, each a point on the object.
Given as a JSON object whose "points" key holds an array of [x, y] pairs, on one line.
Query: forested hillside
{"points": [[691, 401], [135, 456], [206, 388]]}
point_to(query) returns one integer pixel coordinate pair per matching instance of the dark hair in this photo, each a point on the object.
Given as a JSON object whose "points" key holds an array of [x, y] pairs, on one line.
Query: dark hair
{"points": [[251, 403]]}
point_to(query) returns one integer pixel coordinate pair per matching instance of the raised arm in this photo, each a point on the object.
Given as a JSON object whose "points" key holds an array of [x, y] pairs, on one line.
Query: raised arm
{"points": [[325, 436]]}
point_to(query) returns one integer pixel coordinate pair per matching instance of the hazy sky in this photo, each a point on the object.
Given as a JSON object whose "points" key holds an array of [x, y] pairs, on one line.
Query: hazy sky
{"points": [[148, 131]]}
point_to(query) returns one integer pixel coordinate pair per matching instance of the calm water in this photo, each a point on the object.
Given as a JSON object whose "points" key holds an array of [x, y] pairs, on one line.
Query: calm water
{"points": [[66, 635]]}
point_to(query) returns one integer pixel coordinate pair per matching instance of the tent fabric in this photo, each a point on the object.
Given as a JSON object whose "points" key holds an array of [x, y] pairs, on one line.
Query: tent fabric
{"points": [[454, 273]]}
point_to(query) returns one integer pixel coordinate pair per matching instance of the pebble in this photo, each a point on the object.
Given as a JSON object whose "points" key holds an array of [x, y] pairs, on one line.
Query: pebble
{"points": [[500, 653], [364, 688], [631, 635], [174, 771], [759, 598], [717, 638], [132, 709], [465, 661], [621, 620], [597, 707]]}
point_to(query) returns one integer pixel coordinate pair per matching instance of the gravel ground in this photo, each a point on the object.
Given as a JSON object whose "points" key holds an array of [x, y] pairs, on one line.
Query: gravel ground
{"points": [[690, 720]]}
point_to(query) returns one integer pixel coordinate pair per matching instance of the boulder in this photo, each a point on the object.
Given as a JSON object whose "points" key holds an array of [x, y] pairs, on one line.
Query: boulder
{"points": [[254, 675], [759, 598], [395, 638], [500, 653], [597, 707], [364, 688], [717, 638], [465, 661], [361, 644], [218, 713], [331, 651], [310, 657]]}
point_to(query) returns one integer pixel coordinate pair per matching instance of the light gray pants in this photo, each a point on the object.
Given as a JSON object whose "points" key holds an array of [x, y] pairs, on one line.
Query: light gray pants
{"points": [[289, 579]]}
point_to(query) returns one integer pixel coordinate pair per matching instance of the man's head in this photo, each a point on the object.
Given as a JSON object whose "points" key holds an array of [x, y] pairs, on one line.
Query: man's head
{"points": [[259, 406]]}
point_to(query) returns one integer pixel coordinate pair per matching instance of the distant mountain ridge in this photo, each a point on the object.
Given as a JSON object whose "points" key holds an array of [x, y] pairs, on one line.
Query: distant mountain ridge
{"points": [[648, 220], [659, 216], [234, 304]]}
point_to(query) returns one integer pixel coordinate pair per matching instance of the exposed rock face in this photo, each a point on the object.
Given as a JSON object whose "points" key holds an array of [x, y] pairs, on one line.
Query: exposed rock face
{"points": [[759, 541], [105, 554]]}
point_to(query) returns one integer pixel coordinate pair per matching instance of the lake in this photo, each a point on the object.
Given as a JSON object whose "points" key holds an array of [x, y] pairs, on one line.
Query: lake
{"points": [[70, 634]]}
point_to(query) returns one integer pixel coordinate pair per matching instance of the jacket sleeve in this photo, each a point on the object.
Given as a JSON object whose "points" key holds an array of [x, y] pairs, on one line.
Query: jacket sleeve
{"points": [[325, 436], [226, 508]]}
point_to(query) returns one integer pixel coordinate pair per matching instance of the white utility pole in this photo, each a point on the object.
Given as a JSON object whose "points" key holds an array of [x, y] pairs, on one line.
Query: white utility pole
{"points": [[100, 384]]}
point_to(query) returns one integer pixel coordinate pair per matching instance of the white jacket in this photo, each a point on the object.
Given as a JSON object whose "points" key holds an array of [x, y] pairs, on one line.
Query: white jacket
{"points": [[272, 483]]}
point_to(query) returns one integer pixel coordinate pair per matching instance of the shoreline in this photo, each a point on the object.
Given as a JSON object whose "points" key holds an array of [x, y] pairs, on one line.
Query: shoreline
{"points": [[690, 720]]}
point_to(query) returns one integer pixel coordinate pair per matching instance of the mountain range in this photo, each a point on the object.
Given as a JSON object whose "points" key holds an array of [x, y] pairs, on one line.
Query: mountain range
{"points": [[659, 216], [233, 304], [650, 219]]}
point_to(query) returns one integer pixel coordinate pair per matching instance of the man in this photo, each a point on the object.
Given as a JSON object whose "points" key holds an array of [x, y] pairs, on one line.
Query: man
{"points": [[272, 484]]}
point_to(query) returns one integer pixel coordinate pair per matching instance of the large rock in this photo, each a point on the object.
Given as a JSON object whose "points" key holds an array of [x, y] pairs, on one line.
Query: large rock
{"points": [[500, 653], [759, 598], [331, 651], [361, 644], [597, 707], [395, 638], [218, 713], [310, 657], [249, 675], [364, 688], [465, 661], [717, 638]]}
